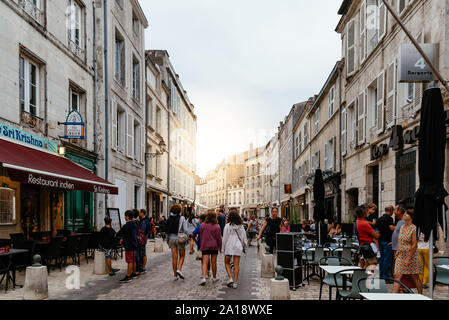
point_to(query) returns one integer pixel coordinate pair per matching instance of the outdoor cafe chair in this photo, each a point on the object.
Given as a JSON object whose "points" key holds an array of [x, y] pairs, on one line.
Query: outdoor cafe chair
{"points": [[36, 235], [23, 260], [352, 293], [94, 243], [4, 271], [82, 247], [70, 249], [442, 274], [344, 252], [15, 236], [378, 285], [53, 253], [318, 253], [5, 243], [63, 232], [329, 278]]}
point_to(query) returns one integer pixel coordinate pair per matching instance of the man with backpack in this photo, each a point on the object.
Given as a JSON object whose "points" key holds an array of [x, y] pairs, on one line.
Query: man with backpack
{"points": [[143, 228]]}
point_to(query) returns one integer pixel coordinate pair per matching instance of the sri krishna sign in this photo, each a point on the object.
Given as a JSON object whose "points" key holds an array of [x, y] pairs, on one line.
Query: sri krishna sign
{"points": [[27, 138]]}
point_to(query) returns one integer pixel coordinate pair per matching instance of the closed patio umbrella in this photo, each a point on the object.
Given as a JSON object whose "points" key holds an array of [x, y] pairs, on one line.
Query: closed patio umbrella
{"points": [[429, 199], [318, 209]]}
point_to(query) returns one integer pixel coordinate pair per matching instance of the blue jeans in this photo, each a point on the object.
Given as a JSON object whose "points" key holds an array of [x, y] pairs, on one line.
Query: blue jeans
{"points": [[386, 258]]}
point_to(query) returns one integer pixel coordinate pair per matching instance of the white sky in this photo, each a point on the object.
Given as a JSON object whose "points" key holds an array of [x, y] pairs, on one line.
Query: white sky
{"points": [[244, 63]]}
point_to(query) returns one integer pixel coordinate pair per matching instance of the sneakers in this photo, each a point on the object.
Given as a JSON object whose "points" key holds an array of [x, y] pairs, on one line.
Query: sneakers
{"points": [[175, 278], [229, 283], [134, 275], [112, 273], [126, 279], [215, 280], [179, 273], [203, 282], [142, 271], [234, 285], [115, 270]]}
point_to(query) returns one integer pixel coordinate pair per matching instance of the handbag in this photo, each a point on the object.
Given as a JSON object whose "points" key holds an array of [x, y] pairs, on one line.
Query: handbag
{"points": [[243, 243], [367, 251], [182, 237]]}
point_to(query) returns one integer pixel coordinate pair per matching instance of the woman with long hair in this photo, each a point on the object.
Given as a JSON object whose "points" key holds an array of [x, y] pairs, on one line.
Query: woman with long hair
{"points": [[210, 245], [174, 227], [190, 225], [234, 245], [274, 226]]}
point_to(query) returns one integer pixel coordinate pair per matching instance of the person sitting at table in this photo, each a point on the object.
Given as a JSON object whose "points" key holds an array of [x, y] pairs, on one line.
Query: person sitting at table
{"points": [[305, 228], [285, 227], [107, 241], [332, 230]]}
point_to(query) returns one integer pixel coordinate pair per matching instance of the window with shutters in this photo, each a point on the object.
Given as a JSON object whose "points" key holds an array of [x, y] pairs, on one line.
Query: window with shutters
{"points": [[120, 65], [75, 24], [373, 26], [136, 79], [350, 48], [158, 120], [299, 143], [130, 135], [331, 102], [402, 5], [351, 122], [344, 134], [29, 87], [317, 121], [306, 134], [390, 91], [315, 161], [329, 155], [361, 118]]}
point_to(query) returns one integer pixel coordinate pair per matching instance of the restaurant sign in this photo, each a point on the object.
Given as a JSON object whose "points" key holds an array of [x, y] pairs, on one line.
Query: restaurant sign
{"points": [[27, 138], [74, 126]]}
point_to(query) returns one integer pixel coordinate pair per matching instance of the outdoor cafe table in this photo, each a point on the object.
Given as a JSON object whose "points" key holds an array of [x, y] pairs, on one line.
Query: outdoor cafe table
{"points": [[335, 269], [393, 296], [10, 254], [444, 266]]}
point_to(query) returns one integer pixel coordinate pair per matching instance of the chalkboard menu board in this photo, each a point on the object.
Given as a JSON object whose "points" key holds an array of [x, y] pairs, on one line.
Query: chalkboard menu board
{"points": [[114, 214]]}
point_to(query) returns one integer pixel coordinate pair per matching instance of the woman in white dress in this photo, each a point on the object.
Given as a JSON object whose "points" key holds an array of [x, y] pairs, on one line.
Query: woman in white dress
{"points": [[234, 245]]}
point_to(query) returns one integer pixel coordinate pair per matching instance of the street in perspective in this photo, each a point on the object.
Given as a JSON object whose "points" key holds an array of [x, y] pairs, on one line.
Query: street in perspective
{"points": [[301, 153]]}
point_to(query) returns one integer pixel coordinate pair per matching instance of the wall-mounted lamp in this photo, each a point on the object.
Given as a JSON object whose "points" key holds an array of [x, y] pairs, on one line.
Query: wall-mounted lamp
{"points": [[61, 151]]}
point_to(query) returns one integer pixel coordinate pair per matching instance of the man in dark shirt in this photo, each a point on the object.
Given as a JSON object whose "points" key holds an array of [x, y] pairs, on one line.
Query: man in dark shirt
{"points": [[107, 242], [385, 225], [221, 218], [128, 233]]}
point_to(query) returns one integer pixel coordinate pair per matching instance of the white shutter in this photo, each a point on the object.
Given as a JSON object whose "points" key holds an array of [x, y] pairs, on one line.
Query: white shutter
{"points": [[363, 32], [130, 135], [382, 23], [326, 155], [380, 103], [114, 124], [418, 96], [350, 48], [390, 104], [344, 124], [361, 118], [142, 144], [333, 153]]}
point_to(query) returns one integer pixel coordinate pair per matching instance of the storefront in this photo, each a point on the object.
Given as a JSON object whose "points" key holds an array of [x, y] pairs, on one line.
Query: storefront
{"points": [[301, 207], [155, 202], [37, 187], [332, 196]]}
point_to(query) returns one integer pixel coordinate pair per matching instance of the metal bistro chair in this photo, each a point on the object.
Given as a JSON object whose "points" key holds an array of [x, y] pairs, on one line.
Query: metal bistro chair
{"points": [[352, 293], [441, 275], [4, 271], [82, 247], [329, 278], [344, 252], [53, 253], [378, 285], [70, 249], [23, 260], [317, 255]]}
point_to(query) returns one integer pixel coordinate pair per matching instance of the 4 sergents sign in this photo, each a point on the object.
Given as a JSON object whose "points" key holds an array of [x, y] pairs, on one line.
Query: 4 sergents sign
{"points": [[74, 126], [412, 67]]}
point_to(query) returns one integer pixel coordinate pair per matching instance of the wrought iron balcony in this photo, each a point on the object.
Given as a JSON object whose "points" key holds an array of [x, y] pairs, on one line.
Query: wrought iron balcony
{"points": [[76, 49], [31, 9], [32, 121]]}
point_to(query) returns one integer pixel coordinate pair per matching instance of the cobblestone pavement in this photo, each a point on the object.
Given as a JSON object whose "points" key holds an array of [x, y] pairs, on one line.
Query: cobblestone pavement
{"points": [[157, 283]]}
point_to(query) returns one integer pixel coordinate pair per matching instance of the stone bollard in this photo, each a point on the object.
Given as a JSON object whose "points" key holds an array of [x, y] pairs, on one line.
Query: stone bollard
{"points": [[280, 289], [159, 246], [267, 270], [36, 281], [261, 250], [100, 266]]}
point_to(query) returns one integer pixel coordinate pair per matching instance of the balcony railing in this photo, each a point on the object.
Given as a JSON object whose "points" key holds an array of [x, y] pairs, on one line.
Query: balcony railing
{"points": [[76, 49], [31, 9], [32, 121]]}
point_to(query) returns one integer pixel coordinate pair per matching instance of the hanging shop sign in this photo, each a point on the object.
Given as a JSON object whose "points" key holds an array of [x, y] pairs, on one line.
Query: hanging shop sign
{"points": [[27, 138], [74, 126], [412, 67], [378, 151]]}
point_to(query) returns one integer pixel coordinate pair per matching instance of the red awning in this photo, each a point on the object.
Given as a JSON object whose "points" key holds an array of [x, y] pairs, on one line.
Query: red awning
{"points": [[31, 166]]}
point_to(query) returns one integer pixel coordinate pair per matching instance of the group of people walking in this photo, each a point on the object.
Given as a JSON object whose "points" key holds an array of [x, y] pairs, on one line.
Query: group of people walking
{"points": [[396, 245], [213, 233]]}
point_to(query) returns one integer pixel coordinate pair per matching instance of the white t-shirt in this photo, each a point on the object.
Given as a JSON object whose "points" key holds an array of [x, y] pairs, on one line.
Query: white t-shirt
{"points": [[422, 245]]}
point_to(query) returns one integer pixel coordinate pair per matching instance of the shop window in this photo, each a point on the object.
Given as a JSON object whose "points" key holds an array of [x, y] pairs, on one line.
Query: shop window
{"points": [[7, 206]]}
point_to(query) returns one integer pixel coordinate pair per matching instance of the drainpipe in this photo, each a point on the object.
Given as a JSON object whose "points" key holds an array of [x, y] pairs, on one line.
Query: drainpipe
{"points": [[106, 95], [339, 135], [94, 57], [168, 157], [146, 133]]}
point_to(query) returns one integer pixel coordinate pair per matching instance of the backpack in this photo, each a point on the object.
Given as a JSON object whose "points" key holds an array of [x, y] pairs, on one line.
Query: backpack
{"points": [[141, 235]]}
